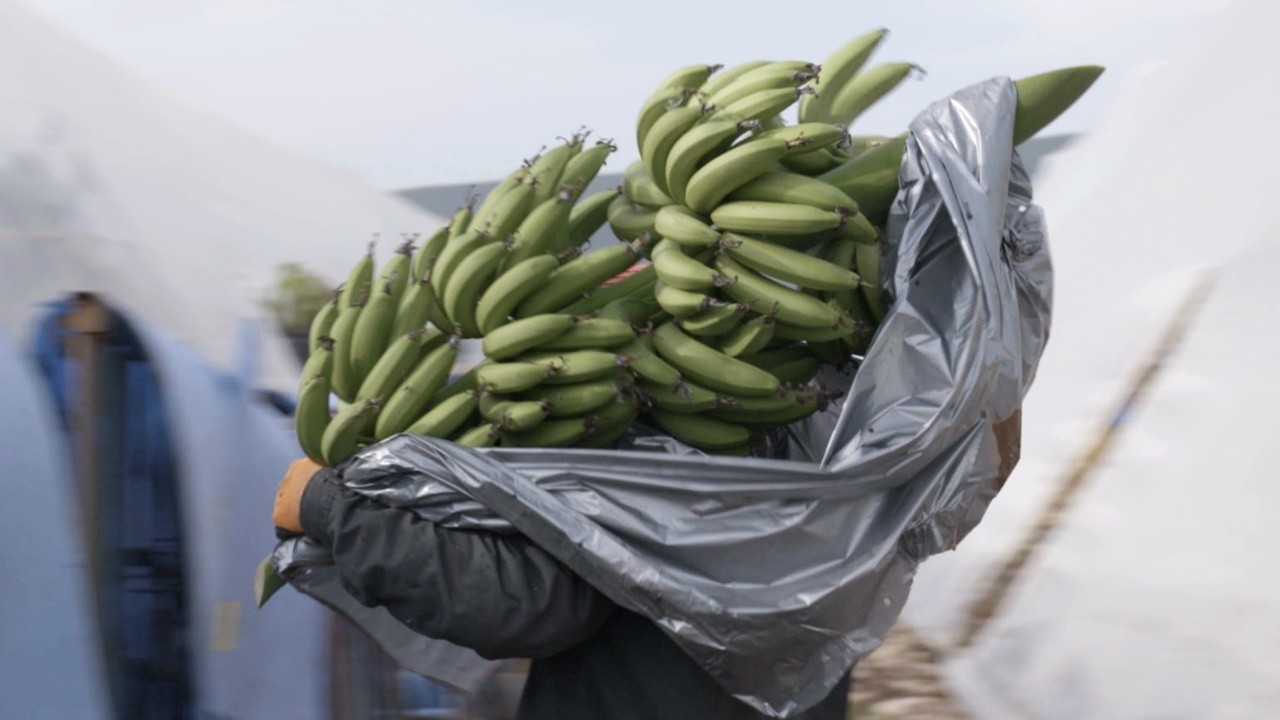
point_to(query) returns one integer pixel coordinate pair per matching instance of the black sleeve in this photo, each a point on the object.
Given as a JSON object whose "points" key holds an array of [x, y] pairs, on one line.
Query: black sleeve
{"points": [[500, 595]]}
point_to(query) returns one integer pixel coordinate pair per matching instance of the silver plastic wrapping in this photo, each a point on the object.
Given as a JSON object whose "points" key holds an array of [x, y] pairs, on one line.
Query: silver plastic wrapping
{"points": [[776, 575]]}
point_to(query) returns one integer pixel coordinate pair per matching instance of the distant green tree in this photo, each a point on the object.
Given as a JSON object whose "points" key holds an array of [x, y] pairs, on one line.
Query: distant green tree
{"points": [[293, 300]]}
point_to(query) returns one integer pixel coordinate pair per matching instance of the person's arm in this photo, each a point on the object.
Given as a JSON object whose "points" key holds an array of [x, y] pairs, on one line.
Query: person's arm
{"points": [[500, 595]]}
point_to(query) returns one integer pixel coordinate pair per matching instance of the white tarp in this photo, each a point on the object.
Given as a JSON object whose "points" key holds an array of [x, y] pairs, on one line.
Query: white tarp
{"points": [[110, 184], [50, 658], [1157, 597], [1155, 577], [230, 451]]}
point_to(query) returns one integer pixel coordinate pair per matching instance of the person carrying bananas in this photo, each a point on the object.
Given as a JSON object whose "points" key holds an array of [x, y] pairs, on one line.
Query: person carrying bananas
{"points": [[504, 597]]}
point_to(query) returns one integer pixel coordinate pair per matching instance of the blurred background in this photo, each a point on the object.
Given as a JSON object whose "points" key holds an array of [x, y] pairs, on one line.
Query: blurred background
{"points": [[181, 184]]}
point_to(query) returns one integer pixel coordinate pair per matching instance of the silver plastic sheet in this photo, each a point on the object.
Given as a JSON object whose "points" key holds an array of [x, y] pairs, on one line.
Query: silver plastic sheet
{"points": [[776, 575]]}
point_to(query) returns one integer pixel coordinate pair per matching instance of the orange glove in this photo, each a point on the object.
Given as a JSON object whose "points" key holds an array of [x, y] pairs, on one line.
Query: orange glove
{"points": [[287, 512]]}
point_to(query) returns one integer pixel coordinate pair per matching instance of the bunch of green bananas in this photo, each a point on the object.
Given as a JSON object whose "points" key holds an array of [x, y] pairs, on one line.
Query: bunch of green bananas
{"points": [[764, 242], [766, 237], [506, 269]]}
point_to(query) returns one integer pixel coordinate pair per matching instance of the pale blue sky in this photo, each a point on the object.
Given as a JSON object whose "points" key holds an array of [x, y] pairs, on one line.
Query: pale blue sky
{"points": [[410, 93]]}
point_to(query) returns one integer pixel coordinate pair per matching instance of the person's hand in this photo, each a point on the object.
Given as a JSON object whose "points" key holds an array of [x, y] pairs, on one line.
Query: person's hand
{"points": [[287, 512]]}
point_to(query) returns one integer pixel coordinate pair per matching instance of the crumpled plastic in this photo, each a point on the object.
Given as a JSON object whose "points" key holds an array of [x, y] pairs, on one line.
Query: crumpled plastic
{"points": [[777, 575]]}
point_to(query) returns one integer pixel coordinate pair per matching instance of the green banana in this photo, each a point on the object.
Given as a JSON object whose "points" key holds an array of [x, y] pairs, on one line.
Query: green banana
{"points": [[796, 372], [683, 303], [772, 218], [510, 289], [621, 411], [445, 417], [552, 433], [681, 271], [395, 273], [792, 369], [585, 219], [865, 89], [631, 310], [774, 76], [320, 361], [584, 167], [411, 396], [321, 322], [580, 398], [525, 334], [788, 331], [871, 178], [781, 409], [359, 281], [655, 107], [868, 262], [1043, 97], [641, 360], [343, 378], [791, 306], [749, 337], [590, 333], [628, 220], [728, 75], [342, 436], [641, 189], [793, 266], [682, 397], [548, 168], [459, 223], [725, 173], [372, 331], [577, 277], [485, 209], [685, 227], [467, 282], [398, 360], [266, 582], [885, 157], [858, 227], [700, 431], [661, 138], [481, 436], [426, 255], [508, 211], [841, 252], [506, 378], [638, 284], [772, 357], [311, 416], [694, 146], [541, 230], [807, 137], [514, 415], [836, 71], [760, 105], [812, 163], [709, 366], [713, 322], [780, 186], [859, 144], [604, 434], [521, 416], [452, 256], [576, 366], [416, 307], [464, 382], [688, 76]]}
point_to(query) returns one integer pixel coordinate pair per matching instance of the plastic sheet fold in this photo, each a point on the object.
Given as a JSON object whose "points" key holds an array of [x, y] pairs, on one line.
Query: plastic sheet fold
{"points": [[776, 575]]}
